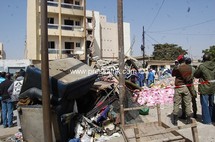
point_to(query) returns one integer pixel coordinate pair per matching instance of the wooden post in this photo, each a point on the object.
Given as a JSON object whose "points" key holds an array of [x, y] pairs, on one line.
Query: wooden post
{"points": [[194, 131], [159, 114], [121, 57], [47, 127], [137, 134]]}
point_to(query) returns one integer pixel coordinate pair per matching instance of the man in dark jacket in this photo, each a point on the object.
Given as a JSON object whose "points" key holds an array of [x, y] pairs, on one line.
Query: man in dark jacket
{"points": [[7, 105], [206, 72], [182, 75]]}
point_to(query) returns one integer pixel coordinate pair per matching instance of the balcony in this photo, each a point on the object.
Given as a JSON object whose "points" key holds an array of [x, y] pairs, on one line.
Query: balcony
{"points": [[52, 3], [66, 8], [66, 30], [71, 6], [64, 51]]}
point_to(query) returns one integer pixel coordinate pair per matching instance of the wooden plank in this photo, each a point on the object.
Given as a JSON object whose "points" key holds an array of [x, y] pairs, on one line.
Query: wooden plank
{"points": [[176, 138], [194, 131], [170, 129]]}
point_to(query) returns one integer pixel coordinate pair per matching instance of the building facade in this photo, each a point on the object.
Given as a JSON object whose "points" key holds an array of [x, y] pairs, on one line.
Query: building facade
{"points": [[2, 52], [102, 36], [13, 66], [66, 29]]}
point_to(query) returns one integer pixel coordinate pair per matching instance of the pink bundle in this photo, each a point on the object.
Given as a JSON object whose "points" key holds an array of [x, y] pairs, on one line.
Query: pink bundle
{"points": [[152, 97]]}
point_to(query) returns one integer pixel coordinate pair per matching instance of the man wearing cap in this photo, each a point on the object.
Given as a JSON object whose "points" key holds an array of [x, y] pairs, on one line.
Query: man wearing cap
{"points": [[183, 76], [206, 73], [192, 91]]}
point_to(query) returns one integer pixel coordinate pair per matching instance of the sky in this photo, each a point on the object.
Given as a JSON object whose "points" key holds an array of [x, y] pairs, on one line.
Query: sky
{"points": [[187, 23]]}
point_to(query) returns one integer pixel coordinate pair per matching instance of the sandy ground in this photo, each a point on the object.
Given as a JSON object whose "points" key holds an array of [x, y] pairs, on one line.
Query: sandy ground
{"points": [[206, 133]]}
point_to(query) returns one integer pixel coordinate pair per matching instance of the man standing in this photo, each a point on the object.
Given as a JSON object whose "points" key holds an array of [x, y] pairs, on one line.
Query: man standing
{"points": [[192, 91], [182, 75], [206, 72], [7, 104]]}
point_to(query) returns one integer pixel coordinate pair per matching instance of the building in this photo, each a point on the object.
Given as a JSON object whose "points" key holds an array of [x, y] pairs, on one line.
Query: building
{"points": [[2, 52], [13, 66], [66, 29], [102, 36]]}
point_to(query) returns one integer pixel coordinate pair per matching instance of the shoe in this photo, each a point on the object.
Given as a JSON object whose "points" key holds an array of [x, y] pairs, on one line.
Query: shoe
{"points": [[5, 126], [188, 120], [195, 115], [174, 120], [183, 116]]}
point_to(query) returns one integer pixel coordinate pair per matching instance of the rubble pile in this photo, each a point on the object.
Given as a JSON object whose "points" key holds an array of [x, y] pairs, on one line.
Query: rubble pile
{"points": [[86, 106]]}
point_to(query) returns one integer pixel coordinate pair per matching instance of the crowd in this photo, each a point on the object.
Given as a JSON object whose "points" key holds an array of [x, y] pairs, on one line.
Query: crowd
{"points": [[184, 91], [9, 92], [185, 94]]}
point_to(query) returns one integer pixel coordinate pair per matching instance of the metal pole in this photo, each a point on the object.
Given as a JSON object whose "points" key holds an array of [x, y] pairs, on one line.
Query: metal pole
{"points": [[121, 59], [47, 129]]}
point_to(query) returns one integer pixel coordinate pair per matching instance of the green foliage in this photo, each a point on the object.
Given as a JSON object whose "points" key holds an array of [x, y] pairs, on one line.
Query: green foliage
{"points": [[211, 51], [167, 51]]}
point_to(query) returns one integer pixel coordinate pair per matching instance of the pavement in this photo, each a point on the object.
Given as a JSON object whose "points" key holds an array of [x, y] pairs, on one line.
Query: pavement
{"points": [[206, 133], [7, 132]]}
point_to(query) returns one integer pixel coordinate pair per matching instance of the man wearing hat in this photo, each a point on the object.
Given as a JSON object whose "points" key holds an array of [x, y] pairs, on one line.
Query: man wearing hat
{"points": [[183, 76]]}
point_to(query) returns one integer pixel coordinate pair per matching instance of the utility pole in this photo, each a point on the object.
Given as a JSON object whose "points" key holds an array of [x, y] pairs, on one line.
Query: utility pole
{"points": [[47, 128], [143, 46], [121, 59]]}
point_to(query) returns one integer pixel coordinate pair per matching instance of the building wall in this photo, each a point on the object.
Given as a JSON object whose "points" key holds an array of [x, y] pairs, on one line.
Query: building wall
{"points": [[106, 36], [109, 45], [97, 32], [14, 65], [58, 30]]}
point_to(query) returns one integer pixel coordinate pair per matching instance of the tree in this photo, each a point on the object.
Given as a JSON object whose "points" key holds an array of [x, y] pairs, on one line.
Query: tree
{"points": [[211, 51], [167, 51]]}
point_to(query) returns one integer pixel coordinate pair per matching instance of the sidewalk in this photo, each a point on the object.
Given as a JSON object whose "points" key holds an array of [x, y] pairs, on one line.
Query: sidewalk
{"points": [[7, 132]]}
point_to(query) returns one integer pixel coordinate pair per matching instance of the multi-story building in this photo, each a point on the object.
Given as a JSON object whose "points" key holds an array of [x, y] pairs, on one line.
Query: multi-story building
{"points": [[66, 29], [2, 52], [102, 36]]}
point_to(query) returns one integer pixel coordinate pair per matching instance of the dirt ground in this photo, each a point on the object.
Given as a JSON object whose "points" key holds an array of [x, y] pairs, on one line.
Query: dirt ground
{"points": [[206, 133]]}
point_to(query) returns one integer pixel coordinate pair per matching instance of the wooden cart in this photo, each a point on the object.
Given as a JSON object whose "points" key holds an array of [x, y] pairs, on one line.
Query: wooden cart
{"points": [[156, 131]]}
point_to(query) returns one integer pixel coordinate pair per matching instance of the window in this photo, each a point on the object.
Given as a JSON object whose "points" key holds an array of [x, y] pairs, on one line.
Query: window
{"points": [[68, 1], [51, 20], [51, 45], [90, 32], [77, 2], [77, 23], [69, 46], [68, 22], [78, 44], [89, 20]]}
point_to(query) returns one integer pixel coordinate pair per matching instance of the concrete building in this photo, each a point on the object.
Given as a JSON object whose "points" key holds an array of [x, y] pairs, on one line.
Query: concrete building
{"points": [[2, 52], [13, 66], [102, 36], [66, 29]]}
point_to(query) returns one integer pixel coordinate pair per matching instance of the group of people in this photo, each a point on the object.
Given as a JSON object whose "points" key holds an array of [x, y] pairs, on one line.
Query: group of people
{"points": [[142, 78], [185, 93], [9, 93]]}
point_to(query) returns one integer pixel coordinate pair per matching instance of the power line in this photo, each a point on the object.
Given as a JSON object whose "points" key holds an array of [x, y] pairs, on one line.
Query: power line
{"points": [[156, 15], [152, 38], [188, 26]]}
